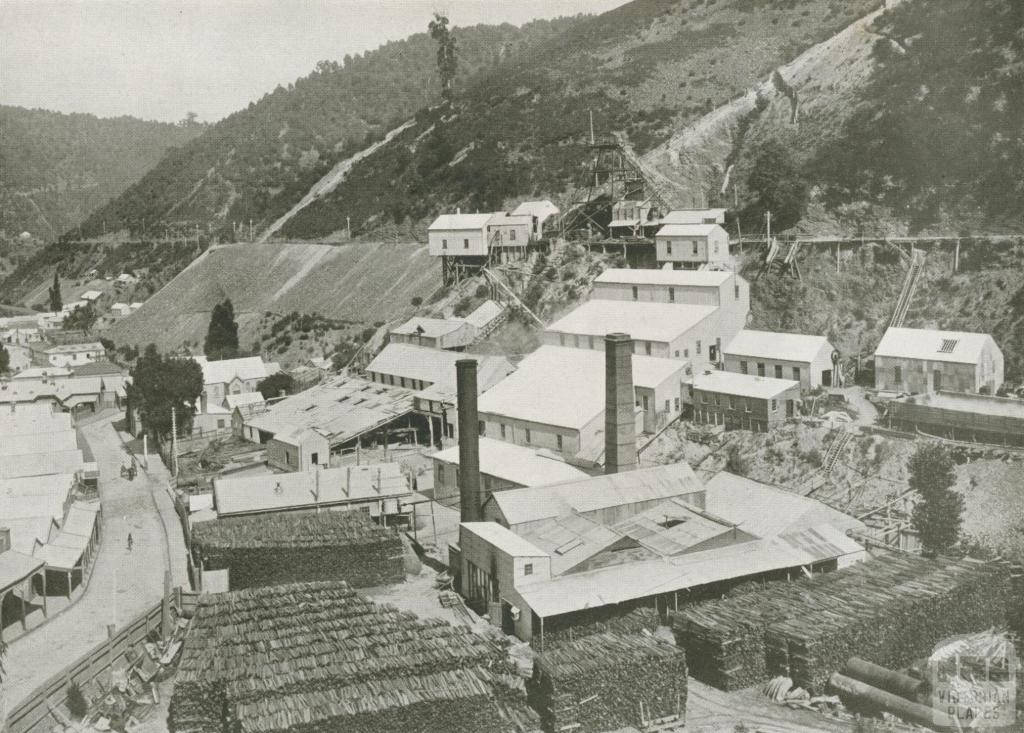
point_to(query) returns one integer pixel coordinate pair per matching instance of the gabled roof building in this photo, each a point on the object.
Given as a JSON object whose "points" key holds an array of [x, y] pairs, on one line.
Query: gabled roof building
{"points": [[924, 360]]}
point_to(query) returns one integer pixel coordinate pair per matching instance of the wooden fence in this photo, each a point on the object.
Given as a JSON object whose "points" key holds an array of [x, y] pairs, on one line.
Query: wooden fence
{"points": [[33, 714]]}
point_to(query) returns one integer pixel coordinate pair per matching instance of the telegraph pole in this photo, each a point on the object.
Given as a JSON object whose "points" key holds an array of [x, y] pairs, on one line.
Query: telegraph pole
{"points": [[174, 442]]}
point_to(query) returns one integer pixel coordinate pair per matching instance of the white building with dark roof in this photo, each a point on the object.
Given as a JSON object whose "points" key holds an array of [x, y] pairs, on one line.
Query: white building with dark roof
{"points": [[804, 358], [926, 360], [556, 400]]}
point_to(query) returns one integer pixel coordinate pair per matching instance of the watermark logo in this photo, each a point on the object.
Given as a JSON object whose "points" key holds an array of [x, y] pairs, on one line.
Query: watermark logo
{"points": [[974, 682]]}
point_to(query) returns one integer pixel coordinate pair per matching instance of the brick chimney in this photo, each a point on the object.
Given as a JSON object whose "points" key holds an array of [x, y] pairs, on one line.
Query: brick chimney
{"points": [[619, 404], [470, 498]]}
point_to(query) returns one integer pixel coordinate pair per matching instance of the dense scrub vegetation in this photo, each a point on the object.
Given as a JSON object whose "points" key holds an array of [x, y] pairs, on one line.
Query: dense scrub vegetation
{"points": [[642, 69], [57, 168], [256, 163]]}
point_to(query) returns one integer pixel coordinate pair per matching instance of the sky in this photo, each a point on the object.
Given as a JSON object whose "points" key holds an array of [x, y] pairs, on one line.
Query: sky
{"points": [[158, 59]]}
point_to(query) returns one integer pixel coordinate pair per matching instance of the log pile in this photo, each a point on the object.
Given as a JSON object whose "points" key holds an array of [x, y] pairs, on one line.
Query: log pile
{"points": [[313, 655], [284, 548], [608, 681], [887, 610], [639, 619]]}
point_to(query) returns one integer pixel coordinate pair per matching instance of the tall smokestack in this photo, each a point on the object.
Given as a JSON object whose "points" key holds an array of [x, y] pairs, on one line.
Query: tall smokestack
{"points": [[470, 500], [619, 404]]}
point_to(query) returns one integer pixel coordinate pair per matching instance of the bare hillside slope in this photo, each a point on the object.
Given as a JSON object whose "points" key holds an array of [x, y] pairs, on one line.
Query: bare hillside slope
{"points": [[352, 282]]}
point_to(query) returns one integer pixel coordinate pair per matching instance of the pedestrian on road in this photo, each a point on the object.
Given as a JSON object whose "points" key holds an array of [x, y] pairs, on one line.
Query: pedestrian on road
{"points": [[129, 542]]}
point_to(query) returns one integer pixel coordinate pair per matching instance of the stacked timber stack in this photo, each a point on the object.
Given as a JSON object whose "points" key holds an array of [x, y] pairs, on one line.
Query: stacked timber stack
{"points": [[891, 622], [633, 622], [284, 548], [888, 610], [608, 681], [320, 655]]}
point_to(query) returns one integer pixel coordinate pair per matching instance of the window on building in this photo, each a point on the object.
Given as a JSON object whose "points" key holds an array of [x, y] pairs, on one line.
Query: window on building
{"points": [[694, 243], [897, 374], [775, 405], [778, 371], [677, 353], [576, 340], [668, 405], [558, 441], [743, 367], [698, 346], [727, 402], [561, 339], [444, 244], [796, 373], [746, 405], [668, 247], [717, 398], [482, 427], [465, 244], [704, 398], [647, 348], [671, 295], [512, 235], [502, 428], [528, 568], [314, 459], [527, 435], [220, 423], [401, 380], [760, 368], [716, 247], [636, 293], [677, 404], [440, 474], [686, 354], [590, 342]]}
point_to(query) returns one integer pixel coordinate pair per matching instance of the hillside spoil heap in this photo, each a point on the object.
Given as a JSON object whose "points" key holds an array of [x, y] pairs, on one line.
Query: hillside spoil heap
{"points": [[608, 681], [284, 548], [320, 657], [889, 611]]}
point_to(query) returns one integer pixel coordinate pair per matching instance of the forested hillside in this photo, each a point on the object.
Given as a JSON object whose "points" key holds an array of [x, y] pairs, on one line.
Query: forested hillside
{"points": [[643, 69], [256, 163], [57, 168]]}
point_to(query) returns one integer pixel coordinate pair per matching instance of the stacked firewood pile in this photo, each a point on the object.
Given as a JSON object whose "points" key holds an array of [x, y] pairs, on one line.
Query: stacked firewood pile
{"points": [[311, 655], [887, 610], [608, 681], [633, 622], [284, 548]]}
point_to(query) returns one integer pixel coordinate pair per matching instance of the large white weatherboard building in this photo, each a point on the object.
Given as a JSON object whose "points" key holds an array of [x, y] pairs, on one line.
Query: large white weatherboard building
{"points": [[806, 359], [664, 330], [539, 212], [924, 360], [458, 235], [556, 400]]}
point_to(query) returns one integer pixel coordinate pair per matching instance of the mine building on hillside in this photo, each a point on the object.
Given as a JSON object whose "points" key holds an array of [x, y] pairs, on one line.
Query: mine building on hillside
{"points": [[960, 416], [724, 290], [633, 218], [695, 216], [540, 213], [338, 416], [454, 334], [548, 558], [459, 235], [556, 400], [663, 330], [692, 246], [511, 231], [742, 401], [924, 360], [503, 466], [467, 242], [805, 359]]}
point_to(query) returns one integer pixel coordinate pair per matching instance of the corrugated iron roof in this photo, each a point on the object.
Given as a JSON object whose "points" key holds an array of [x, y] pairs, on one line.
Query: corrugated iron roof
{"points": [[15, 567], [244, 368], [959, 347], [776, 345], [459, 222], [502, 538], [515, 463], [643, 321], [681, 278], [742, 385], [687, 230]]}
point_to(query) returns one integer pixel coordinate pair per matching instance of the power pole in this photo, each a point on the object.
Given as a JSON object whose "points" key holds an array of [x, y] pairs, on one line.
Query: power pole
{"points": [[174, 442]]}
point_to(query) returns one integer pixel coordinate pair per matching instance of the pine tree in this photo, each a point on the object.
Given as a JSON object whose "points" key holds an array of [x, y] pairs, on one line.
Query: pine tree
{"points": [[222, 336], [55, 300], [938, 515], [447, 54]]}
